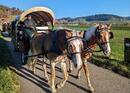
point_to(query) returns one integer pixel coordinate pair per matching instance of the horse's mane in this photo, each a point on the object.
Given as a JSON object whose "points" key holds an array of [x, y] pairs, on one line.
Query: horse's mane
{"points": [[89, 33]]}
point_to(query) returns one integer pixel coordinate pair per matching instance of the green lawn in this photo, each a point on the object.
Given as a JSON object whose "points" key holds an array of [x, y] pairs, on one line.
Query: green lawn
{"points": [[8, 79], [117, 44], [116, 60]]}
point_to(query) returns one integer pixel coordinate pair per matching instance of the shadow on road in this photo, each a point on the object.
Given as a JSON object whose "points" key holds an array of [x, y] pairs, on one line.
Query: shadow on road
{"points": [[42, 83], [23, 72]]}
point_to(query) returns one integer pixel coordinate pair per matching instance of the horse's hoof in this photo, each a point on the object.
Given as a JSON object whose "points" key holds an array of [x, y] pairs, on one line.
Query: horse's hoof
{"points": [[77, 77], [53, 91], [92, 89], [47, 79], [33, 72], [69, 71], [58, 86]]}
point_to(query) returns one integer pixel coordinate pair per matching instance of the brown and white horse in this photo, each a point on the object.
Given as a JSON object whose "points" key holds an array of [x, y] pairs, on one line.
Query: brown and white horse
{"points": [[55, 46], [100, 35]]}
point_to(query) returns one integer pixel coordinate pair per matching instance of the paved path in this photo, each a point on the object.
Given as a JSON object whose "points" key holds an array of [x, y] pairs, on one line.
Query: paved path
{"points": [[103, 80]]}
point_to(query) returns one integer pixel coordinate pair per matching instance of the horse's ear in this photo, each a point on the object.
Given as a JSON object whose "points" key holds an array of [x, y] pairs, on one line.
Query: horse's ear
{"points": [[111, 35], [109, 26], [81, 33], [100, 26], [68, 34], [96, 24]]}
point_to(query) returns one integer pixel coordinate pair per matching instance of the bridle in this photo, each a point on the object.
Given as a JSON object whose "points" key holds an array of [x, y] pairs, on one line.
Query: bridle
{"points": [[20, 35], [69, 53], [103, 43], [97, 32]]}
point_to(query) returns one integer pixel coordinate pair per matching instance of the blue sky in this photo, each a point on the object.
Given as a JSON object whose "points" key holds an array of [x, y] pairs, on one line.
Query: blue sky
{"points": [[75, 8]]}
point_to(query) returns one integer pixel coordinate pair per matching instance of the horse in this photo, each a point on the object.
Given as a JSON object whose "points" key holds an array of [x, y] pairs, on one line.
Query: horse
{"points": [[56, 46], [22, 42], [100, 35]]}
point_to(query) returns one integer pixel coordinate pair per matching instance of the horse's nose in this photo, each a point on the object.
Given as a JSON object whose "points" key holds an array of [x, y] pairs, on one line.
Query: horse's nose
{"points": [[75, 65], [107, 53]]}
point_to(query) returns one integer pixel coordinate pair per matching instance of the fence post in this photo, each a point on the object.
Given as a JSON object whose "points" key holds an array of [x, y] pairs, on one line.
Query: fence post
{"points": [[127, 50]]}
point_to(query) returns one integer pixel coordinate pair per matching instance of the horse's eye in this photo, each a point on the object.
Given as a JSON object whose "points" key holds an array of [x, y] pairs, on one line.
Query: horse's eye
{"points": [[100, 36], [70, 48]]}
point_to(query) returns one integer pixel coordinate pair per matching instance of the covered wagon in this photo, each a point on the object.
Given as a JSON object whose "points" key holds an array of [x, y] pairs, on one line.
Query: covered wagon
{"points": [[44, 22]]}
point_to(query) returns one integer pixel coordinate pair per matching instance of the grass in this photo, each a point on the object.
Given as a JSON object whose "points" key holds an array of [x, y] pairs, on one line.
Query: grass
{"points": [[116, 61], [8, 80]]}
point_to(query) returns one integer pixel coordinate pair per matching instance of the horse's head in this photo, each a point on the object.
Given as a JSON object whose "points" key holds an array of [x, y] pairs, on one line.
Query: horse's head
{"points": [[103, 35], [22, 41], [20, 35], [20, 31], [74, 47]]}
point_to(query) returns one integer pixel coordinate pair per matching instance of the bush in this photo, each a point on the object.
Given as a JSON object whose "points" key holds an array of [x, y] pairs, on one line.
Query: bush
{"points": [[8, 79]]}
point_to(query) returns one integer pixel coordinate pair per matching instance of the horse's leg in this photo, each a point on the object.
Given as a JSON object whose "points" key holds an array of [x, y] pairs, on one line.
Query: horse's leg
{"points": [[65, 73], [33, 65], [45, 72], [29, 63], [85, 67], [53, 76], [70, 66], [79, 73]]}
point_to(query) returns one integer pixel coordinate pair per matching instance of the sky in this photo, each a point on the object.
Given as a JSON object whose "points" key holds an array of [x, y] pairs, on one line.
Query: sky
{"points": [[75, 8]]}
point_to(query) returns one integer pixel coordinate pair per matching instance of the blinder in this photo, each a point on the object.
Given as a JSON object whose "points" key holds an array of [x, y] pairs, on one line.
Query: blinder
{"points": [[97, 33], [20, 35], [71, 48], [111, 35]]}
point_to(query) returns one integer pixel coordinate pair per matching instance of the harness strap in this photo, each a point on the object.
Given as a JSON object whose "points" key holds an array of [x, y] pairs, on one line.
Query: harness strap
{"points": [[33, 55], [84, 34]]}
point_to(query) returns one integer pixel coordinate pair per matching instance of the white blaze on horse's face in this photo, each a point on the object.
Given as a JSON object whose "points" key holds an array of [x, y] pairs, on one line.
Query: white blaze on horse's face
{"points": [[104, 41], [75, 47]]}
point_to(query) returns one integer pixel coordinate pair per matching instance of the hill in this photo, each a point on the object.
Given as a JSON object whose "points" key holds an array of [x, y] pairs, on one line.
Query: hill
{"points": [[97, 17], [128, 18], [7, 12]]}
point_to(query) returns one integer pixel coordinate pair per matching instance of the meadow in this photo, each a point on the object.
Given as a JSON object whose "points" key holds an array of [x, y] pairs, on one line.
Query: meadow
{"points": [[116, 61]]}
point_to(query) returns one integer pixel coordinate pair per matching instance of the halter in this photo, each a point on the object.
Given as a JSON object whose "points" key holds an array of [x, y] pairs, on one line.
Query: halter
{"points": [[97, 31], [104, 43], [69, 54]]}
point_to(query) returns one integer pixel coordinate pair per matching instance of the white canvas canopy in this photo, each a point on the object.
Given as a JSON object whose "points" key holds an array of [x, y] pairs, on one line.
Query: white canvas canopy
{"points": [[43, 14]]}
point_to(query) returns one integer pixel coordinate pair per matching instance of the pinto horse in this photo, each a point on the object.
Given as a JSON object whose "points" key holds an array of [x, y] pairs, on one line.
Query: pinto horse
{"points": [[100, 35], [55, 46]]}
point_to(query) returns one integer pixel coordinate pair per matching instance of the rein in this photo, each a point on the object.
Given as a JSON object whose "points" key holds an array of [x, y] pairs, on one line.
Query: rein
{"points": [[100, 44], [76, 53], [69, 40], [33, 55], [103, 43]]}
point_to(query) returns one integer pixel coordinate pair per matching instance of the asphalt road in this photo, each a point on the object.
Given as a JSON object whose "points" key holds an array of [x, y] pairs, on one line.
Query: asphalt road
{"points": [[103, 80]]}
